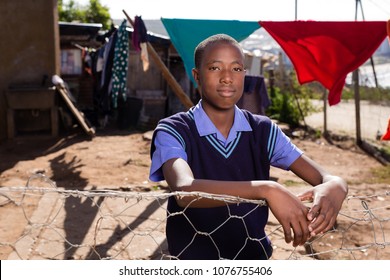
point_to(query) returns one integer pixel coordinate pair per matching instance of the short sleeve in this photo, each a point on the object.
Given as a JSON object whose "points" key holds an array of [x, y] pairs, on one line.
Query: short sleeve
{"points": [[284, 152], [167, 147]]}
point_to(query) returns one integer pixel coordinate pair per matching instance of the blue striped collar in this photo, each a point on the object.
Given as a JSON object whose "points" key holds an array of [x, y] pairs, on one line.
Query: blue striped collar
{"points": [[206, 127]]}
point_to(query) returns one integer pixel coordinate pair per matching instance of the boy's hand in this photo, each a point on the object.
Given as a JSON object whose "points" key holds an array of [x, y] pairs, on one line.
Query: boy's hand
{"points": [[291, 214], [327, 200]]}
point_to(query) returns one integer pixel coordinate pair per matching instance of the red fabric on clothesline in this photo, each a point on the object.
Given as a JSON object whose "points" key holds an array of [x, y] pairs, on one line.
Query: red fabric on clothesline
{"points": [[388, 30], [327, 51], [386, 136]]}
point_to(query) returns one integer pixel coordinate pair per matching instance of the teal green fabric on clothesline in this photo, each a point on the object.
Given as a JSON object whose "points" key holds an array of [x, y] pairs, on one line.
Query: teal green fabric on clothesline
{"points": [[186, 34]]}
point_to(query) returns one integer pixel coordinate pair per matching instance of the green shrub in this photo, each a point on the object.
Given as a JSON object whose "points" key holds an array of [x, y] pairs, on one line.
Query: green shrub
{"points": [[292, 103]]}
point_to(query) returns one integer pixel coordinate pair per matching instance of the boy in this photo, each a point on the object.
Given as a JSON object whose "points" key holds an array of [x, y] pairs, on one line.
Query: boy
{"points": [[217, 148]]}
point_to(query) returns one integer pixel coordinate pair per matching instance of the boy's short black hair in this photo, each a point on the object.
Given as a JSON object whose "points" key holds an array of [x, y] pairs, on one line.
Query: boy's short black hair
{"points": [[218, 38]]}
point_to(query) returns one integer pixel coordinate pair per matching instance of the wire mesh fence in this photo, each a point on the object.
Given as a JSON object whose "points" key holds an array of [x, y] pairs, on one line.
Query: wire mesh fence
{"points": [[112, 224]]}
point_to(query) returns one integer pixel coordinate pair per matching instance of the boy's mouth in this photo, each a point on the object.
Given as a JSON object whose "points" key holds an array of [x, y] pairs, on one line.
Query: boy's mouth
{"points": [[226, 92]]}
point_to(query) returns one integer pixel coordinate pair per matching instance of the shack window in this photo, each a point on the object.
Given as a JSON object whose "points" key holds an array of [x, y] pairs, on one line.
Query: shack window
{"points": [[71, 62]]}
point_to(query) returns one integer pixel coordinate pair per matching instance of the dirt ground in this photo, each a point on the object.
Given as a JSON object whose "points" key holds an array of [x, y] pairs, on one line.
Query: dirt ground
{"points": [[119, 160]]}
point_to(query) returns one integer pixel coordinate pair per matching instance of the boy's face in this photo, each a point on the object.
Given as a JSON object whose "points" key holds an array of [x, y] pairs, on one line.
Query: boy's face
{"points": [[221, 75]]}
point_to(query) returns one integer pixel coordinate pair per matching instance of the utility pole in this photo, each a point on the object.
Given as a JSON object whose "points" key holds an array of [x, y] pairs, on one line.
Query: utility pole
{"points": [[296, 9], [355, 80]]}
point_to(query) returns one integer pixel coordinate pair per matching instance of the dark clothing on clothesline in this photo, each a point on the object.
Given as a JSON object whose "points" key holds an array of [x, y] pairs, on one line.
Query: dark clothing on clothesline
{"points": [[139, 34], [255, 97]]}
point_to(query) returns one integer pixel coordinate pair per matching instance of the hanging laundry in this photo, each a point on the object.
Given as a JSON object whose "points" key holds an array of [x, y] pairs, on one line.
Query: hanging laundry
{"points": [[255, 96], [144, 56], [386, 136], [140, 39], [100, 60], [119, 70], [104, 69], [186, 34], [388, 30], [327, 51], [87, 59]]}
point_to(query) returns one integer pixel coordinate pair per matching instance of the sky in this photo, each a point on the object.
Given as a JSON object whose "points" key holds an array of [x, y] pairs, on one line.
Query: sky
{"points": [[250, 10]]}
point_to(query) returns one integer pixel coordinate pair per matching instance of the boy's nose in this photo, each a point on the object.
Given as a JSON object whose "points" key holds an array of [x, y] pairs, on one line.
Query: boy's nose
{"points": [[226, 77]]}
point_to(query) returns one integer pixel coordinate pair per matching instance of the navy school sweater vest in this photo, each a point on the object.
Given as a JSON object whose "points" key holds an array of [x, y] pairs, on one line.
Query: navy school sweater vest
{"points": [[234, 231]]}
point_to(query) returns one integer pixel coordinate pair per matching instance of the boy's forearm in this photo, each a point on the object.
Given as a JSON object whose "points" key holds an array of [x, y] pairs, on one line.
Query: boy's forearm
{"points": [[243, 189], [179, 177]]}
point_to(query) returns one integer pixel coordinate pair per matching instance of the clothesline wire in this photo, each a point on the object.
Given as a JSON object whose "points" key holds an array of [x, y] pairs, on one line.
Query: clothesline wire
{"points": [[381, 6]]}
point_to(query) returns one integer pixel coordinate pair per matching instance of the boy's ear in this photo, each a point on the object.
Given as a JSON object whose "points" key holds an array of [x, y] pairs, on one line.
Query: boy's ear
{"points": [[195, 74]]}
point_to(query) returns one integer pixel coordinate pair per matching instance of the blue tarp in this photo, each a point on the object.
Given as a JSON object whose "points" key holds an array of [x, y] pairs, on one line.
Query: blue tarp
{"points": [[186, 34]]}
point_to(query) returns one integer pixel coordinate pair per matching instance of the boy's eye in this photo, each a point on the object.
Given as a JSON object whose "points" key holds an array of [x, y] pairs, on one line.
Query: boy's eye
{"points": [[238, 69], [235, 69]]}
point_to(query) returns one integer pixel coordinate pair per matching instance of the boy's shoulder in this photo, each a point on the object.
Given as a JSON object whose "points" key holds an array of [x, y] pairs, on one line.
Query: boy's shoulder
{"points": [[179, 116], [177, 119]]}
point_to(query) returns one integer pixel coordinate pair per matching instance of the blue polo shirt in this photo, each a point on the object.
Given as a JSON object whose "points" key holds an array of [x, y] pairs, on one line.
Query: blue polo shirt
{"points": [[168, 147]]}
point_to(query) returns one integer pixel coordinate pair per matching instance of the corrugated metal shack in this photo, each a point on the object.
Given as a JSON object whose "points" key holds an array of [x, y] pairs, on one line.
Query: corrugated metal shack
{"points": [[149, 98], [37, 51]]}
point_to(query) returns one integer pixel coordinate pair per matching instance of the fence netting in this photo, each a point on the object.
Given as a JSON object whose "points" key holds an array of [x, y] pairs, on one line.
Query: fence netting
{"points": [[114, 224]]}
